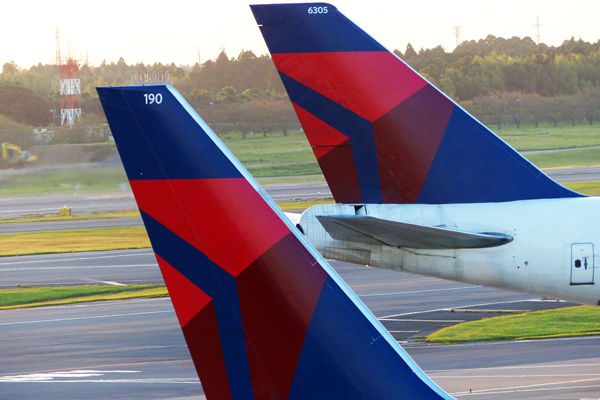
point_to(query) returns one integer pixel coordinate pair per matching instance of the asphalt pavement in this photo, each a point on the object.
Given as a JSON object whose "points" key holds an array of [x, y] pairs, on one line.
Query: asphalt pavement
{"points": [[135, 350], [19, 227], [82, 204], [125, 266], [90, 203], [574, 174], [78, 203]]}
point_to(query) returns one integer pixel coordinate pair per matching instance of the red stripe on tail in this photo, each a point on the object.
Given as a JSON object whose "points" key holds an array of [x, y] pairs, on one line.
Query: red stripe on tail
{"points": [[226, 219], [369, 83], [334, 154], [278, 294], [198, 320]]}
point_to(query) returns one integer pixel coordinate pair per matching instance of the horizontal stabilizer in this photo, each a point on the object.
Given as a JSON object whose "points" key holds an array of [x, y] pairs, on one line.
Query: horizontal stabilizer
{"points": [[399, 234]]}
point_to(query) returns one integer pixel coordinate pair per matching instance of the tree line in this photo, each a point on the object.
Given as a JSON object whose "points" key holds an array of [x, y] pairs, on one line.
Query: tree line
{"points": [[501, 81]]}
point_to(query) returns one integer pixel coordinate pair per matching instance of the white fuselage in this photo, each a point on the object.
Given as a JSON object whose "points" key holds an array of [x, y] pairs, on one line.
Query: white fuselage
{"points": [[554, 251]]}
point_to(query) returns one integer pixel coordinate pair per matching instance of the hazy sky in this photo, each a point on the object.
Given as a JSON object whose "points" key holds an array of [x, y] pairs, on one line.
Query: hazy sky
{"points": [[174, 30]]}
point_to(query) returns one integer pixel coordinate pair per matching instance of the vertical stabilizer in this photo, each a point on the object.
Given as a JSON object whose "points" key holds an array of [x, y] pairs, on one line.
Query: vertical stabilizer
{"points": [[381, 132], [264, 316]]}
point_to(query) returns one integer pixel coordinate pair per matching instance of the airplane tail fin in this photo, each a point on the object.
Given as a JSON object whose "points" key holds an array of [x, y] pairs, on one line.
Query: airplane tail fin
{"points": [[263, 314], [380, 131]]}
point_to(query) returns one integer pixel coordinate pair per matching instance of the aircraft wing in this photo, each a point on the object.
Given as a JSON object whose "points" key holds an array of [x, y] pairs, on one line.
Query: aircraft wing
{"points": [[399, 234]]}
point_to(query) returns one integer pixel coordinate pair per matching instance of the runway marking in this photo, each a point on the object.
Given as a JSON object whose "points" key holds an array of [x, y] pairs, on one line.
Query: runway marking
{"points": [[528, 341], [528, 366], [41, 321], [419, 291], [57, 257], [510, 376], [111, 283], [129, 364], [136, 381], [29, 211], [574, 166], [67, 267], [285, 196], [420, 320], [80, 281], [48, 376], [102, 304], [455, 307], [71, 377], [528, 388]]}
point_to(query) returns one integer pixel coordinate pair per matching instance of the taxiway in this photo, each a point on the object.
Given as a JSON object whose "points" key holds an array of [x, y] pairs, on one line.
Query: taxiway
{"points": [[134, 349]]}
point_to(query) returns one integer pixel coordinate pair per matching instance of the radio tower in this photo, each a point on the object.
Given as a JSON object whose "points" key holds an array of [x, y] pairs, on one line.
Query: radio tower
{"points": [[70, 86], [457, 35]]}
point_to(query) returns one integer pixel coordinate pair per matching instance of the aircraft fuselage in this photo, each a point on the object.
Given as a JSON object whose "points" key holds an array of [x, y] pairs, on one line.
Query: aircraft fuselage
{"points": [[554, 251]]}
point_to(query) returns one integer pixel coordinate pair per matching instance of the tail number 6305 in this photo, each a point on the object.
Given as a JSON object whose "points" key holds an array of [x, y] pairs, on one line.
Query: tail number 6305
{"points": [[318, 10], [151, 98]]}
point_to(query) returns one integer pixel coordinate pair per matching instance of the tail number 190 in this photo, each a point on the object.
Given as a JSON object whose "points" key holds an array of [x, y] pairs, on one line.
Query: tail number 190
{"points": [[318, 10], [151, 98]]}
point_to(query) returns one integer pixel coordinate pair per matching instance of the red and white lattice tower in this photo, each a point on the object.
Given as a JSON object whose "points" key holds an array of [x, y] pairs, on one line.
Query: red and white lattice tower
{"points": [[70, 87]]}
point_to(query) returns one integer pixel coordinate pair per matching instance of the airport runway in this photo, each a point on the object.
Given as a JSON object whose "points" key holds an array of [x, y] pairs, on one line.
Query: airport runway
{"points": [[16, 227], [574, 174], [81, 204], [85, 204], [124, 266], [297, 191], [279, 192], [134, 349]]}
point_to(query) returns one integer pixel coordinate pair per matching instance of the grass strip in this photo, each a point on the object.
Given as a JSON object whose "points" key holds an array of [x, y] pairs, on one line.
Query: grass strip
{"points": [[288, 155], [568, 321], [547, 136], [291, 179], [42, 296], [43, 218], [81, 180], [13, 244], [302, 205], [579, 157], [589, 187], [288, 169]]}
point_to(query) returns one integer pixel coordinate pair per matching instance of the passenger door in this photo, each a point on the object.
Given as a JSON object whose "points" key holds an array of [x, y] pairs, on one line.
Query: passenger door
{"points": [[582, 264]]}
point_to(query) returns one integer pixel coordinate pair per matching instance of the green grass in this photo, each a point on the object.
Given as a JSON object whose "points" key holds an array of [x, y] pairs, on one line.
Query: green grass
{"points": [[285, 170], [291, 156], [302, 205], [274, 155], [566, 158], [589, 187], [44, 296], [568, 321], [275, 148], [53, 217], [24, 295], [547, 137], [81, 180], [13, 244], [292, 179]]}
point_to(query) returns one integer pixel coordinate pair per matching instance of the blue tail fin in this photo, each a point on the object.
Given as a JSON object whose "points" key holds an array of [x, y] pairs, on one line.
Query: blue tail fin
{"points": [[263, 313], [380, 131]]}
